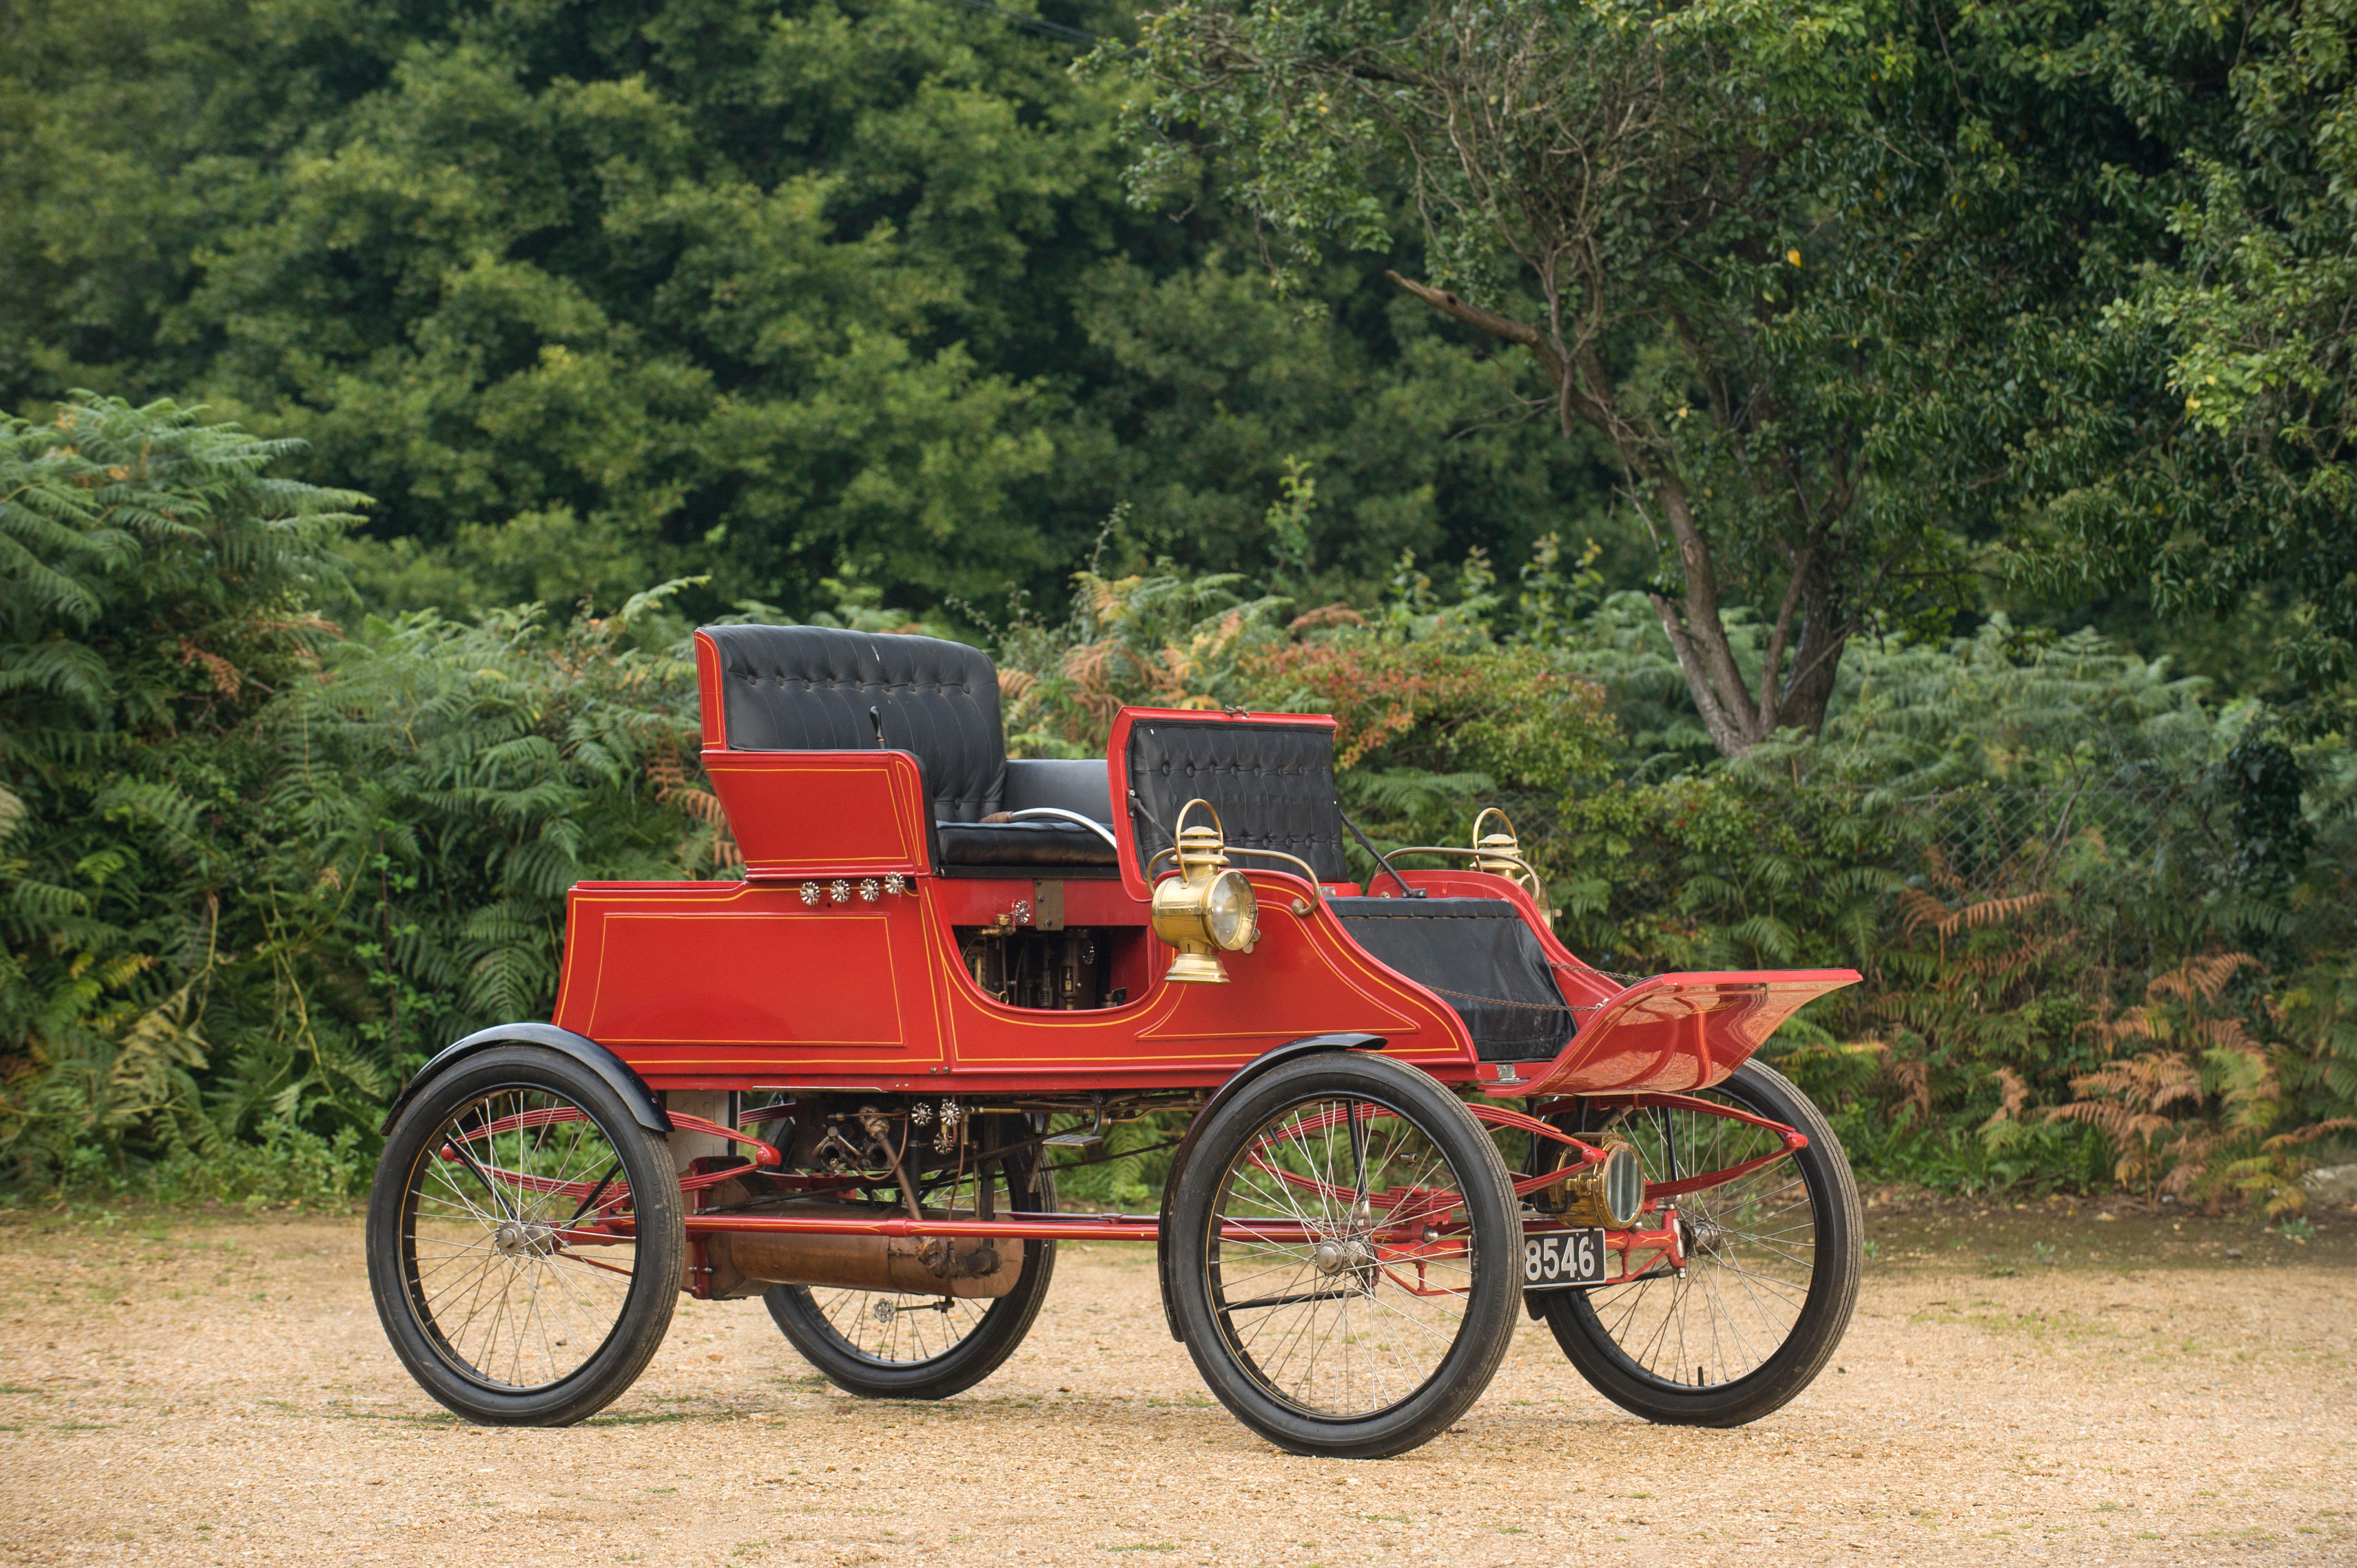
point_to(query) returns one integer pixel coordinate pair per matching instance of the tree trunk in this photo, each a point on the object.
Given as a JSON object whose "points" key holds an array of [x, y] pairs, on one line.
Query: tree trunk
{"points": [[1795, 689], [1809, 683]]}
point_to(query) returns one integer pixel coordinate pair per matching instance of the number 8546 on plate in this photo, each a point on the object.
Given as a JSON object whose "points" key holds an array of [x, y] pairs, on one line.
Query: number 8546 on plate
{"points": [[1553, 1259]]}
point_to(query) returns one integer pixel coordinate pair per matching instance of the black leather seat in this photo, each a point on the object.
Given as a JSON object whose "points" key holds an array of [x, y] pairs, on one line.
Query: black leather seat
{"points": [[800, 688], [1273, 786], [808, 688], [1482, 961], [1043, 847]]}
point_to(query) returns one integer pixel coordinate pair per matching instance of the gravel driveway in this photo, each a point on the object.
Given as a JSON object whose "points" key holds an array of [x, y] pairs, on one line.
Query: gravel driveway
{"points": [[2018, 1386]]}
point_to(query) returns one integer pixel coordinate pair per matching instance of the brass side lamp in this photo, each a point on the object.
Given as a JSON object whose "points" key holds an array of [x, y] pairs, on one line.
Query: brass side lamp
{"points": [[1206, 908], [1500, 852], [1609, 1192]]}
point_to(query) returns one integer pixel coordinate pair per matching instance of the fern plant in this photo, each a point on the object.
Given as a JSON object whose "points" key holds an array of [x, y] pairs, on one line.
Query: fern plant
{"points": [[2197, 1112]]}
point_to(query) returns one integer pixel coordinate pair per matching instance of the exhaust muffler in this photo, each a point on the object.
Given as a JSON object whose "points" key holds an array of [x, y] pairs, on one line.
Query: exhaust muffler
{"points": [[745, 1262]]}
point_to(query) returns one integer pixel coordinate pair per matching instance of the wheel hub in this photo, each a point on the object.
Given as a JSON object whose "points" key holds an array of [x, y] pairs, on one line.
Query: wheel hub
{"points": [[520, 1239], [1702, 1236], [1343, 1254]]}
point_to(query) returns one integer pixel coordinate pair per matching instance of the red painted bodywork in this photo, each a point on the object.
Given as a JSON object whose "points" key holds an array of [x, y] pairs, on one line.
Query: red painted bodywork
{"points": [[748, 984]]}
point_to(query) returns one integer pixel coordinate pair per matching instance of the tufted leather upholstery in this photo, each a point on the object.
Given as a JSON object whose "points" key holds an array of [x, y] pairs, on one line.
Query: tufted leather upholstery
{"points": [[1481, 959], [1273, 786], [808, 688]]}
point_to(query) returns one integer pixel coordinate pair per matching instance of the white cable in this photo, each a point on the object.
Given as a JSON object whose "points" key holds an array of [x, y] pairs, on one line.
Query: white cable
{"points": [[1091, 824]]}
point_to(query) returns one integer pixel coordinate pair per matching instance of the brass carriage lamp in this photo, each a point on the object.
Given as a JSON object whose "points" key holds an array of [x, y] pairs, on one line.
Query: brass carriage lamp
{"points": [[1207, 908], [1606, 1189], [1500, 852]]}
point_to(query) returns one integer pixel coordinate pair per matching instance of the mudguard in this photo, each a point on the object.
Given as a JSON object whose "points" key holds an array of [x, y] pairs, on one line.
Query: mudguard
{"points": [[1274, 1055], [644, 1107]]}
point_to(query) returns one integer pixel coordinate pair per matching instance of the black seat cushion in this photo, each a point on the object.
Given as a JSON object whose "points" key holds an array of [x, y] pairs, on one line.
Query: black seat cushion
{"points": [[1036, 845], [1273, 786], [1072, 786], [808, 688], [1482, 961]]}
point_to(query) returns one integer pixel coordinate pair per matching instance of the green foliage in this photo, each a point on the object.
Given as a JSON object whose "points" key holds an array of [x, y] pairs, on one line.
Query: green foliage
{"points": [[277, 1164], [758, 291], [1791, 264], [2008, 834], [255, 870], [2235, 467]]}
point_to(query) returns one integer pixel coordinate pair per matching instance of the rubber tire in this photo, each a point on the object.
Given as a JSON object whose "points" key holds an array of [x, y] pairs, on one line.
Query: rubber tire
{"points": [[1823, 1318], [1491, 1309], [661, 1258], [955, 1371]]}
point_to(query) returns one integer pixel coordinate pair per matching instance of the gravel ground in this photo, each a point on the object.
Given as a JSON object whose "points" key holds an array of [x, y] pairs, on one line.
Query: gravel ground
{"points": [[2016, 1386]]}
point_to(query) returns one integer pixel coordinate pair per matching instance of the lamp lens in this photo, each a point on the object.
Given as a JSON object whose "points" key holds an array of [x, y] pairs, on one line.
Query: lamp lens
{"points": [[1230, 909]]}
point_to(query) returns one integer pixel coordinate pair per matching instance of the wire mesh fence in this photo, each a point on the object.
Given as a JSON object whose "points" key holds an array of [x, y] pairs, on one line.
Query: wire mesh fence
{"points": [[1990, 838]]}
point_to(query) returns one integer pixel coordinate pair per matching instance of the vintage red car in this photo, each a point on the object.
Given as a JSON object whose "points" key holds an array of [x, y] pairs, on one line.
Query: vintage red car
{"points": [[1410, 1114]]}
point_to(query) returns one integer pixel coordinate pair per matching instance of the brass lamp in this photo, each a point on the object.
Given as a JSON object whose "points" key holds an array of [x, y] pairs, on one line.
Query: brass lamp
{"points": [[1498, 852], [1609, 1192], [1207, 908]]}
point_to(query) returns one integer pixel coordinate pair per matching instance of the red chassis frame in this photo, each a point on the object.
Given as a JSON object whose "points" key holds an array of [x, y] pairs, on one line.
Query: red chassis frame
{"points": [[833, 966]]}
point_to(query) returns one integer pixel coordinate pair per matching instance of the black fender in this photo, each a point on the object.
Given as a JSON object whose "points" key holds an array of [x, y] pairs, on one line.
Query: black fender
{"points": [[1275, 1056], [616, 1072]]}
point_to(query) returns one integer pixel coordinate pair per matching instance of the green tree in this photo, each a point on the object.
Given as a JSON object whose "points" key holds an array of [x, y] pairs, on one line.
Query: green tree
{"points": [[1783, 260], [2229, 468], [762, 290]]}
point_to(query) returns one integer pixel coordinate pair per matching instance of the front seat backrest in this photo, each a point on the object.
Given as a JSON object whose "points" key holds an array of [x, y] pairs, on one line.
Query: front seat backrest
{"points": [[1273, 785], [810, 688]]}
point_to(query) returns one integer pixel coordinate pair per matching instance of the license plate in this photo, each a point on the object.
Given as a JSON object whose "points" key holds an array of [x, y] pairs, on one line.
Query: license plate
{"points": [[1553, 1259]]}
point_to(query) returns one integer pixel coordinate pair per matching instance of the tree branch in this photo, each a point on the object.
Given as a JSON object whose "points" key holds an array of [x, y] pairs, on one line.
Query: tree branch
{"points": [[1490, 321], [1724, 735]]}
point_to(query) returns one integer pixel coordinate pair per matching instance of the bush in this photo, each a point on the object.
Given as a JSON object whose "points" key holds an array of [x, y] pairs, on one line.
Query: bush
{"points": [[257, 867]]}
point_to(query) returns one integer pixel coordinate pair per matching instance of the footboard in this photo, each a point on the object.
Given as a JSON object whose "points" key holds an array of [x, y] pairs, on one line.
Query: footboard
{"points": [[1675, 1032]]}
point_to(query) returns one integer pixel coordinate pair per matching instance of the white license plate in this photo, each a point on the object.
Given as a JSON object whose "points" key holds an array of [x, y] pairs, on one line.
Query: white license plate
{"points": [[1556, 1258]]}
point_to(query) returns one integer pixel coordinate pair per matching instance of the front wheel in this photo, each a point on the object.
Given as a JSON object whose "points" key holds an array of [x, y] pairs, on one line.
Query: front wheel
{"points": [[1345, 1257], [1772, 1258], [525, 1239]]}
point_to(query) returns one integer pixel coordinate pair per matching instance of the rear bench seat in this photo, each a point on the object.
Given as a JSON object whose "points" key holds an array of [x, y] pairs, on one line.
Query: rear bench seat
{"points": [[808, 688]]}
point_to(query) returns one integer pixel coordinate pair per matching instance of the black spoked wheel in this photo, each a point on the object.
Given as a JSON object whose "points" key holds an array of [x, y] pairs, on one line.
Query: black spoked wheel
{"points": [[1773, 1262], [880, 1345], [1346, 1257], [524, 1241]]}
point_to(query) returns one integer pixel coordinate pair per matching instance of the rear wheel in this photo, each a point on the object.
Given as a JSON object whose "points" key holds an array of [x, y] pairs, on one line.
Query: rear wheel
{"points": [[1773, 1262], [524, 1241], [879, 1345], [1345, 1257]]}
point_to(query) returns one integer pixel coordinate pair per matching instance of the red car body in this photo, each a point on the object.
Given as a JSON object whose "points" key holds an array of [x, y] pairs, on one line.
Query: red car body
{"points": [[810, 972]]}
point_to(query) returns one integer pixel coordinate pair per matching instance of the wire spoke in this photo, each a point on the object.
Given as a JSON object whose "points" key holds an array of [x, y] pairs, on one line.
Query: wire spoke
{"points": [[1346, 1322], [500, 1295], [1752, 1255]]}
